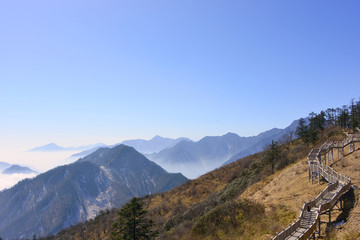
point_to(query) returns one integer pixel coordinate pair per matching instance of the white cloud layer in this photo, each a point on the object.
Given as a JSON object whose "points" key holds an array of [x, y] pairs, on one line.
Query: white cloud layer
{"points": [[7, 181]]}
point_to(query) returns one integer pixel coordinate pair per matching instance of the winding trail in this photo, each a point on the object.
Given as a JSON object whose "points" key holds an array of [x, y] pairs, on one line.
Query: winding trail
{"points": [[319, 167]]}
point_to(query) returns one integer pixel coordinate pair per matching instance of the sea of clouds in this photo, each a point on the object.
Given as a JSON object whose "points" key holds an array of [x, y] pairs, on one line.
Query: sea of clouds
{"points": [[7, 181], [38, 161]]}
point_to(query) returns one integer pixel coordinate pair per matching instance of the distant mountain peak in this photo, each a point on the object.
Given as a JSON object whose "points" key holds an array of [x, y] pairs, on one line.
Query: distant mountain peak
{"points": [[16, 169], [47, 148], [230, 134], [156, 137]]}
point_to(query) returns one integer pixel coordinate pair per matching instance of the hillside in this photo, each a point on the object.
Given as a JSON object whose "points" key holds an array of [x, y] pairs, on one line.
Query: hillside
{"points": [[74, 193], [291, 187]]}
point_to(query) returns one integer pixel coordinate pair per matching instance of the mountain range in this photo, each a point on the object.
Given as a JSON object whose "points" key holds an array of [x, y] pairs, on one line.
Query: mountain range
{"points": [[246, 199], [52, 147], [265, 138], [156, 144], [76, 192], [193, 159]]}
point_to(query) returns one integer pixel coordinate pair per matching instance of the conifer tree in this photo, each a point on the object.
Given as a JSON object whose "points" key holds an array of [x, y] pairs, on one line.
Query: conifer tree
{"points": [[132, 224], [303, 130], [273, 154]]}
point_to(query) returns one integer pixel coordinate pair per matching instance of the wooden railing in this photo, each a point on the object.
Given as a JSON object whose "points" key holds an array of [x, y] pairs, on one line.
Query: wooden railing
{"points": [[337, 181]]}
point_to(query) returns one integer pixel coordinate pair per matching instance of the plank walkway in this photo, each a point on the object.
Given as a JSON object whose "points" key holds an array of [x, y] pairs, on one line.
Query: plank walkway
{"points": [[318, 160]]}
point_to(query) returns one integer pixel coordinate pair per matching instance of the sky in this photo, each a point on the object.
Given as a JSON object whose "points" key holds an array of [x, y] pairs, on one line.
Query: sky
{"points": [[88, 71]]}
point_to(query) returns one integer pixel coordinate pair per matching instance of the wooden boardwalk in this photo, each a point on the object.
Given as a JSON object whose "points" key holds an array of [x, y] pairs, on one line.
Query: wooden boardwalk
{"points": [[319, 160]]}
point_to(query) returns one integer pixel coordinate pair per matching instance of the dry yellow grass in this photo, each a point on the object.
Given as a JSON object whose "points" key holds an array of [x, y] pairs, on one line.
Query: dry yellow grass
{"points": [[350, 165], [290, 187]]}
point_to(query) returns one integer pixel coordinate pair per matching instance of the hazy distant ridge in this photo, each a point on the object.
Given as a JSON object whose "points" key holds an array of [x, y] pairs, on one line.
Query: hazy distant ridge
{"points": [[52, 147], [153, 145], [17, 169], [196, 158], [156, 144]]}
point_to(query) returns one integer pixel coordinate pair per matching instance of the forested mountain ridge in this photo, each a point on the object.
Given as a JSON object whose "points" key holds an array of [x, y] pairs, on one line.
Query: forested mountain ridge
{"points": [[77, 192]]}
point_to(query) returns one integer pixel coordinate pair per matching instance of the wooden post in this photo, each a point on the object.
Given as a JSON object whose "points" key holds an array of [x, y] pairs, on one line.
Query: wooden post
{"points": [[325, 158], [341, 207], [312, 177]]}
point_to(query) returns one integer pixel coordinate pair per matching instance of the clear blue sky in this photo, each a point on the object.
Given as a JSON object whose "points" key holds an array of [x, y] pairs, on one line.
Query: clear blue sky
{"points": [[86, 71]]}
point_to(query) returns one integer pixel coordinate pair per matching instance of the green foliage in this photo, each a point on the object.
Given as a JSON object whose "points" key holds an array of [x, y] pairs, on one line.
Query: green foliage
{"points": [[309, 133], [132, 224], [345, 117]]}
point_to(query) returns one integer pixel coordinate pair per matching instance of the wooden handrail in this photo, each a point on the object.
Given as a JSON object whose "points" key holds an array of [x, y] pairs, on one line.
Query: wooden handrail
{"points": [[335, 180]]}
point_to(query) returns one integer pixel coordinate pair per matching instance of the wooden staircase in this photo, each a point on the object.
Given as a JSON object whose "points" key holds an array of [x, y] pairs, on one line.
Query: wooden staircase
{"points": [[319, 160]]}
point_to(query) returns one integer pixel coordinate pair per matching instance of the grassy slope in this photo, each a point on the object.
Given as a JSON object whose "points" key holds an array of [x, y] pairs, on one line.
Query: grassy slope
{"points": [[242, 200], [291, 188], [349, 165]]}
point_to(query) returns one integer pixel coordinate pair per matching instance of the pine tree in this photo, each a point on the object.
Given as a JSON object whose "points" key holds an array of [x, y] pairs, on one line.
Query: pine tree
{"points": [[303, 131], [132, 224], [343, 119], [273, 154], [354, 111]]}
